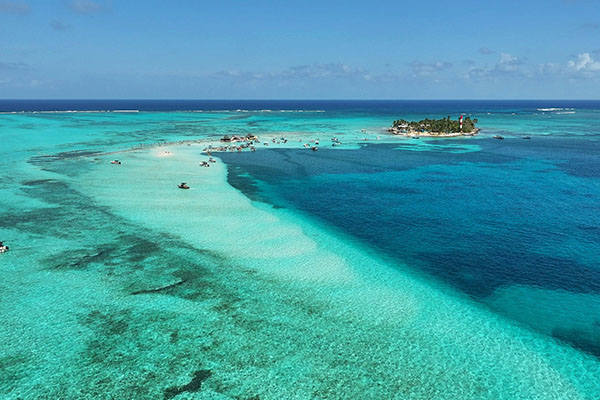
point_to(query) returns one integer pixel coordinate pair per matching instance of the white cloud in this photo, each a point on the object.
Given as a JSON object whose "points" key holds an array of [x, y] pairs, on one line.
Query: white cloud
{"points": [[584, 63], [509, 63], [317, 71], [507, 66], [549, 68], [423, 69]]}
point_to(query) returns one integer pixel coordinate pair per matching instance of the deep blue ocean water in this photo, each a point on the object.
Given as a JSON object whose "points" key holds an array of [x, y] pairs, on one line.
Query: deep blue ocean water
{"points": [[376, 106]]}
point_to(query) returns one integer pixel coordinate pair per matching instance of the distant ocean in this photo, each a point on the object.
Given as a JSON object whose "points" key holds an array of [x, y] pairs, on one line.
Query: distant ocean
{"points": [[427, 106], [499, 236]]}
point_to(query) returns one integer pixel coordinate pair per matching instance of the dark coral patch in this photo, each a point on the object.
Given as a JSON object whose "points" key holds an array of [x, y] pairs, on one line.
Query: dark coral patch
{"points": [[192, 386]]}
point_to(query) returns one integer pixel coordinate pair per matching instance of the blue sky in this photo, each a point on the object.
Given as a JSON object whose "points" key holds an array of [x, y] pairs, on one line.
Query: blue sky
{"points": [[299, 49]]}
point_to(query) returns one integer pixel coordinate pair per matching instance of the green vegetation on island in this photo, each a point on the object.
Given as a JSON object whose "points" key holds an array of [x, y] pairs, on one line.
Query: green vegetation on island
{"points": [[435, 127]]}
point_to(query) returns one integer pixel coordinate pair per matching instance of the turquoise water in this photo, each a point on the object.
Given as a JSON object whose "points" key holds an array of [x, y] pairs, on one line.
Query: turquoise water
{"points": [[383, 268]]}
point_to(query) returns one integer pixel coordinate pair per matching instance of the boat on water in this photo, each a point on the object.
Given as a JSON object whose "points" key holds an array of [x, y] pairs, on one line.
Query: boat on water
{"points": [[3, 248], [183, 185], [498, 137], [115, 162], [526, 137]]}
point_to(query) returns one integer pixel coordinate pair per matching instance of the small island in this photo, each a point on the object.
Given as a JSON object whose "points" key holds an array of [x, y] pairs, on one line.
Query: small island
{"points": [[444, 127]]}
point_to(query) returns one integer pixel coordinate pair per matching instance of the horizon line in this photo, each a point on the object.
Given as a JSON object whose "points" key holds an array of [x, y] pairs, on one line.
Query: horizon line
{"points": [[292, 99]]}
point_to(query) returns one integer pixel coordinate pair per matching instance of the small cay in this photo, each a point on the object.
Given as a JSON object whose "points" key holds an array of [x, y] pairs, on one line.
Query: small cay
{"points": [[444, 127]]}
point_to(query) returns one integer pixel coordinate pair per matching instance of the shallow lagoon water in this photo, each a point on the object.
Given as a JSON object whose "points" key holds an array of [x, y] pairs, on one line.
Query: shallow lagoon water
{"points": [[120, 285]]}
